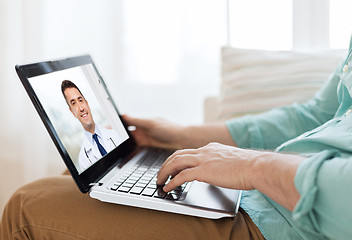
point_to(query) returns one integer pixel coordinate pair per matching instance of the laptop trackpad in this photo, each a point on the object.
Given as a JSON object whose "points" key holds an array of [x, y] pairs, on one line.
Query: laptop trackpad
{"points": [[211, 197]]}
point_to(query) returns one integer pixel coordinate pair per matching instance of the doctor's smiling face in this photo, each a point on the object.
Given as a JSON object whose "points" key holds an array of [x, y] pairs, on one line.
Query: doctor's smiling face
{"points": [[78, 105]]}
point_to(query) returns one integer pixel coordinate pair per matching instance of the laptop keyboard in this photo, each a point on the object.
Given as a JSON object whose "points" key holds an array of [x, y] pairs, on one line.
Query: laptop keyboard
{"points": [[141, 178]]}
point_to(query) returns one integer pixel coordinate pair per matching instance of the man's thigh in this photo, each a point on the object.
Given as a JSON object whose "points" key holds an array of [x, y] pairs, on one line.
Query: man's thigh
{"points": [[54, 208]]}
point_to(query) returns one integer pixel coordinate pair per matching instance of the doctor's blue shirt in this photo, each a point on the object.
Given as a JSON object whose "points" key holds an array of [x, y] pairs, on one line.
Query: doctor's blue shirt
{"points": [[321, 130]]}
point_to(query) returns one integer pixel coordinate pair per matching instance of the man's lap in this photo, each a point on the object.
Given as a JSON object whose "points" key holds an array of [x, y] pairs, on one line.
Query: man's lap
{"points": [[54, 208]]}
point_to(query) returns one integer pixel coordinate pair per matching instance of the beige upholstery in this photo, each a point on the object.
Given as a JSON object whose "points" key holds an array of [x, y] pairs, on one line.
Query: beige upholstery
{"points": [[254, 81]]}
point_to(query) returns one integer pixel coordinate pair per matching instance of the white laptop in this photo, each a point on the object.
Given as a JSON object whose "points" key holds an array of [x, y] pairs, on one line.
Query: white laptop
{"points": [[98, 148]]}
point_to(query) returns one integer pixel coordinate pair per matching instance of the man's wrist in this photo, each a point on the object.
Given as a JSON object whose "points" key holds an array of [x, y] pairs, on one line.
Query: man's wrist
{"points": [[258, 168], [273, 174], [188, 137], [199, 136]]}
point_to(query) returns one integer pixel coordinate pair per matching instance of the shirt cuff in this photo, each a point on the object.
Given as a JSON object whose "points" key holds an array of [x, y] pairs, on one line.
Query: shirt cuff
{"points": [[306, 184], [245, 132]]}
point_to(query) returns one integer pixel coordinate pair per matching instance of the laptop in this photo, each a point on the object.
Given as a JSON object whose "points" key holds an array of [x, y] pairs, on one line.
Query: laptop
{"points": [[98, 148]]}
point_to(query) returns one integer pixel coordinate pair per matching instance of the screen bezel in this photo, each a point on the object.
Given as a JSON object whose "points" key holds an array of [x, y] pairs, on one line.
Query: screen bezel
{"points": [[94, 173]]}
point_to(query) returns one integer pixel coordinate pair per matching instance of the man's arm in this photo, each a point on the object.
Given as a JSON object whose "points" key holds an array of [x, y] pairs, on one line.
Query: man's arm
{"points": [[274, 176], [230, 167], [270, 129], [161, 133], [199, 136], [324, 182], [218, 164]]}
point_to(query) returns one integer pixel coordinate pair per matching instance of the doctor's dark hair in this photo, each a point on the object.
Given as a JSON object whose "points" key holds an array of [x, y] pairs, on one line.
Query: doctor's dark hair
{"points": [[68, 84]]}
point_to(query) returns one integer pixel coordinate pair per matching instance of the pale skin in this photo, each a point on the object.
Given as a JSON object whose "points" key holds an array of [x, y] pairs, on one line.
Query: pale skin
{"points": [[80, 109], [210, 155]]}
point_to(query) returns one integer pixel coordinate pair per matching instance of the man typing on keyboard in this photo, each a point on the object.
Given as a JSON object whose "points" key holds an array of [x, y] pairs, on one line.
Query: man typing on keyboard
{"points": [[298, 179]]}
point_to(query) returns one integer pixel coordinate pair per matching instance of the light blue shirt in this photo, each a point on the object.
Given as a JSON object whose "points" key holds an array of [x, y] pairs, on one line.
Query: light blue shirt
{"points": [[320, 129]]}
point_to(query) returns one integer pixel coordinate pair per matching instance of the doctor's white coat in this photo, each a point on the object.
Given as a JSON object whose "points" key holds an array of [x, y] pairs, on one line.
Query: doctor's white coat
{"points": [[89, 153]]}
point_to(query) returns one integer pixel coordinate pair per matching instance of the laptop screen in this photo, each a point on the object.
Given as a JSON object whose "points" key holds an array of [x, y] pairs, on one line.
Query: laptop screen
{"points": [[83, 118], [80, 115]]}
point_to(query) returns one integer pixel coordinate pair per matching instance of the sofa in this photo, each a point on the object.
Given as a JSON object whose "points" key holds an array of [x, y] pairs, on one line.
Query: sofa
{"points": [[254, 81]]}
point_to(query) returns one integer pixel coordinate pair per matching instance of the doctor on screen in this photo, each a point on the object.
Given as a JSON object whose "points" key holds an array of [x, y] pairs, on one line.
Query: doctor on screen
{"points": [[97, 141]]}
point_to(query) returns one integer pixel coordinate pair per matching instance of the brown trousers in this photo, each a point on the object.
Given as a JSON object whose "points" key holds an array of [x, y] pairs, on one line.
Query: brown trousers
{"points": [[54, 208]]}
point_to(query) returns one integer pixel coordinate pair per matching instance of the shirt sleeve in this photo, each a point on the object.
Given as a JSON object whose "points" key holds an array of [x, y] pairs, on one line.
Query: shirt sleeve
{"points": [[324, 183], [271, 129]]}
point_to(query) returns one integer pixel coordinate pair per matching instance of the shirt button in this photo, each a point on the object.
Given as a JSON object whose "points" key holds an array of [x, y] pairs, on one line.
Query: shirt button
{"points": [[345, 68], [306, 134], [348, 112]]}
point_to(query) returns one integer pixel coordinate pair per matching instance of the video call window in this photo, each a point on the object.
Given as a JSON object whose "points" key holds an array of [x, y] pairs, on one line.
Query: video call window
{"points": [[83, 116]]}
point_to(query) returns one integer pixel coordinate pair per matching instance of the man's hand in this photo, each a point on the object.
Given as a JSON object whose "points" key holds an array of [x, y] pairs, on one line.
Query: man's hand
{"points": [[163, 134], [217, 164], [156, 133], [230, 167]]}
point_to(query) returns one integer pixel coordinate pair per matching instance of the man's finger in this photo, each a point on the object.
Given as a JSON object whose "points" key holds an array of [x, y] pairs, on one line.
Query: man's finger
{"points": [[178, 153], [178, 164], [187, 175]]}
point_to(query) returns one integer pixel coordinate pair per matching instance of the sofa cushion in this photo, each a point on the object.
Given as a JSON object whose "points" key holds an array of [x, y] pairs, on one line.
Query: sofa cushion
{"points": [[254, 81]]}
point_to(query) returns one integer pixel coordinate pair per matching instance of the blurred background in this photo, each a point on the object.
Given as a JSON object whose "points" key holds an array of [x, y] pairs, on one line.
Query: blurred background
{"points": [[159, 58]]}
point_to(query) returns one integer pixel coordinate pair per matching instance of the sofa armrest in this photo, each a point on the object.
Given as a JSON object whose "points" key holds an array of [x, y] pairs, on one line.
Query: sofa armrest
{"points": [[210, 109]]}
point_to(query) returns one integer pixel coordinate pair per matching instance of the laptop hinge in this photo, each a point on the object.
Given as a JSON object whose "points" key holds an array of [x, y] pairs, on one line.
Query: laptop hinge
{"points": [[95, 184]]}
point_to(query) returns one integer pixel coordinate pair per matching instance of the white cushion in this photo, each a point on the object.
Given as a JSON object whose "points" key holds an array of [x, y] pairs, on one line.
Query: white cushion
{"points": [[254, 81]]}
